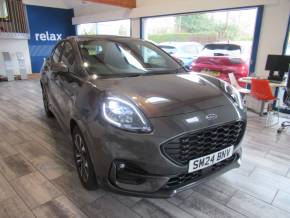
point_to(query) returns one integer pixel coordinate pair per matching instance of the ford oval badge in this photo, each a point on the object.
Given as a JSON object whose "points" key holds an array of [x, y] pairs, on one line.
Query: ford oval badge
{"points": [[211, 116]]}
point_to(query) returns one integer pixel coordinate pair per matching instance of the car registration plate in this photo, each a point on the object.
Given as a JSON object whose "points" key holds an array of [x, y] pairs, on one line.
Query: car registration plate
{"points": [[209, 160]]}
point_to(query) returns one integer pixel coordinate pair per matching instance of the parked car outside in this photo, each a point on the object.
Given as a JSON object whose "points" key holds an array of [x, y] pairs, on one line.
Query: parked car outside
{"points": [[220, 59], [187, 52], [139, 122]]}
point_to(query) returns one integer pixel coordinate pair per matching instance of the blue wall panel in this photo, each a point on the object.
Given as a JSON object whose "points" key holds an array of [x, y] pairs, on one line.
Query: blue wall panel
{"points": [[47, 26]]}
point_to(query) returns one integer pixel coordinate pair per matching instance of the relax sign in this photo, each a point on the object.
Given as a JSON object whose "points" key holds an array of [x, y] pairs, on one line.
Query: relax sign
{"points": [[48, 36], [47, 26]]}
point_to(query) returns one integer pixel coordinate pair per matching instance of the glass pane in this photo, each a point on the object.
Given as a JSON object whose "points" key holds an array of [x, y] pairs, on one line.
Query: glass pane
{"points": [[281, 91], [287, 51], [56, 54], [119, 27], [3, 10], [87, 29], [68, 55], [216, 43], [125, 57]]}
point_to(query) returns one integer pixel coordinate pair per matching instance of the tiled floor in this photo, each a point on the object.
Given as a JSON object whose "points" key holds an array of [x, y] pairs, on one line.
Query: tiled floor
{"points": [[38, 178]]}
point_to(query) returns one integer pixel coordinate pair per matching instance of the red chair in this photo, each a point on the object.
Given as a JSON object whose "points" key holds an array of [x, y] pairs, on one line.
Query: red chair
{"points": [[261, 90]]}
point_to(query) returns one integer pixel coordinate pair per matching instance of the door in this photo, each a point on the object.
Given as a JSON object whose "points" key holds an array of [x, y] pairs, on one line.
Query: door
{"points": [[51, 68], [69, 81]]}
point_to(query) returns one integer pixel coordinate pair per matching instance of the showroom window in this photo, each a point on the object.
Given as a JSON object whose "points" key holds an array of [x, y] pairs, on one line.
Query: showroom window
{"points": [[4, 15], [87, 29], [201, 40], [118, 27], [281, 91], [287, 41]]}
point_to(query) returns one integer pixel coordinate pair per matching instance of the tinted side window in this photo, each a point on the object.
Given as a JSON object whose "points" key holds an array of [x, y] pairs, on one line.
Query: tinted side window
{"points": [[57, 53], [68, 56]]}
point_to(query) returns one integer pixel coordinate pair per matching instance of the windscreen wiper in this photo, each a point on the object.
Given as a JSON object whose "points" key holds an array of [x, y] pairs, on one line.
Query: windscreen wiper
{"points": [[162, 72], [121, 75]]}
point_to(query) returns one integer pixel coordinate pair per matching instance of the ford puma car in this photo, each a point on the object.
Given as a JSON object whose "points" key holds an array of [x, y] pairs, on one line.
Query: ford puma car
{"points": [[221, 59], [140, 124]]}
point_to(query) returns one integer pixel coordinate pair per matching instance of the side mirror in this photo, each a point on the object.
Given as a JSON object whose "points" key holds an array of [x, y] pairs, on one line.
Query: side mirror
{"points": [[60, 67]]}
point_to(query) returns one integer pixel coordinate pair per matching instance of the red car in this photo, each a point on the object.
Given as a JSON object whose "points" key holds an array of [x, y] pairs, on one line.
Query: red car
{"points": [[221, 59]]}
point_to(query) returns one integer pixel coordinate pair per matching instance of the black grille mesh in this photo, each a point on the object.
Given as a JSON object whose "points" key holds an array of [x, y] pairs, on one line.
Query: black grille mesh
{"points": [[197, 144]]}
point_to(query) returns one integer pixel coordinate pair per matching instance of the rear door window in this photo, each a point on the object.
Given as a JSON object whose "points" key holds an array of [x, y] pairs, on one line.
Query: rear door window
{"points": [[221, 50], [56, 53], [68, 56]]}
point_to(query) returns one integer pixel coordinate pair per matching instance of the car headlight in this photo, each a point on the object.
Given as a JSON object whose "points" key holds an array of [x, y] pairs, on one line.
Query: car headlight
{"points": [[234, 94], [125, 115]]}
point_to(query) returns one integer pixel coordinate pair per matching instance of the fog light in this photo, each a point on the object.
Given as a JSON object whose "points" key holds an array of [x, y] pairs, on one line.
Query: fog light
{"points": [[121, 166], [128, 173]]}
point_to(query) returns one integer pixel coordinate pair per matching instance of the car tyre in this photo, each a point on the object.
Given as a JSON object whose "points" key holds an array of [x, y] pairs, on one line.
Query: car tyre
{"points": [[83, 161], [46, 103]]}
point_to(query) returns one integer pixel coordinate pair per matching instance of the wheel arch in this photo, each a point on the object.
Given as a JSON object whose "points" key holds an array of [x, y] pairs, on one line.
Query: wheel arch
{"points": [[72, 124]]}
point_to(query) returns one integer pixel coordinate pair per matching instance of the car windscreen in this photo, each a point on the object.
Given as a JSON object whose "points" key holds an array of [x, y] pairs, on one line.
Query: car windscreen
{"points": [[128, 57], [221, 50]]}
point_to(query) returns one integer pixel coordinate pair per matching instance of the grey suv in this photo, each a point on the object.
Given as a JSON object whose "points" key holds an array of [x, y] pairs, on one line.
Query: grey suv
{"points": [[140, 123]]}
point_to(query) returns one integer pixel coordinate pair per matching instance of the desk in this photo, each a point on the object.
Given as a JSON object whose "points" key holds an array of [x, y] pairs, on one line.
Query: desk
{"points": [[248, 80], [254, 103]]}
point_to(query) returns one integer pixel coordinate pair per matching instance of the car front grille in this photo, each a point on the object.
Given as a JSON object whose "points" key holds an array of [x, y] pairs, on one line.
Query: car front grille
{"points": [[193, 145], [187, 178]]}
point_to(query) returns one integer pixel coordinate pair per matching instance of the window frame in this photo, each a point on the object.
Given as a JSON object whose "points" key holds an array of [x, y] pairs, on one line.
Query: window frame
{"points": [[62, 54], [53, 52], [286, 39], [257, 30], [283, 110], [78, 71]]}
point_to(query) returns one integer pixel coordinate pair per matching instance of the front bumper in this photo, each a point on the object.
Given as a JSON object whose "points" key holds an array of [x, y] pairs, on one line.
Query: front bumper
{"points": [[156, 186]]}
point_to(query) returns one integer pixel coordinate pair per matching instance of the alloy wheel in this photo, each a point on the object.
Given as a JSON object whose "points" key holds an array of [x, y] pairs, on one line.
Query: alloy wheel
{"points": [[81, 158], [45, 100], [46, 103]]}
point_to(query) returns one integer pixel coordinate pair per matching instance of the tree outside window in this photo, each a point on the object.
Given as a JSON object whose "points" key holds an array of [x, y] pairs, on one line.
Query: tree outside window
{"points": [[4, 14]]}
